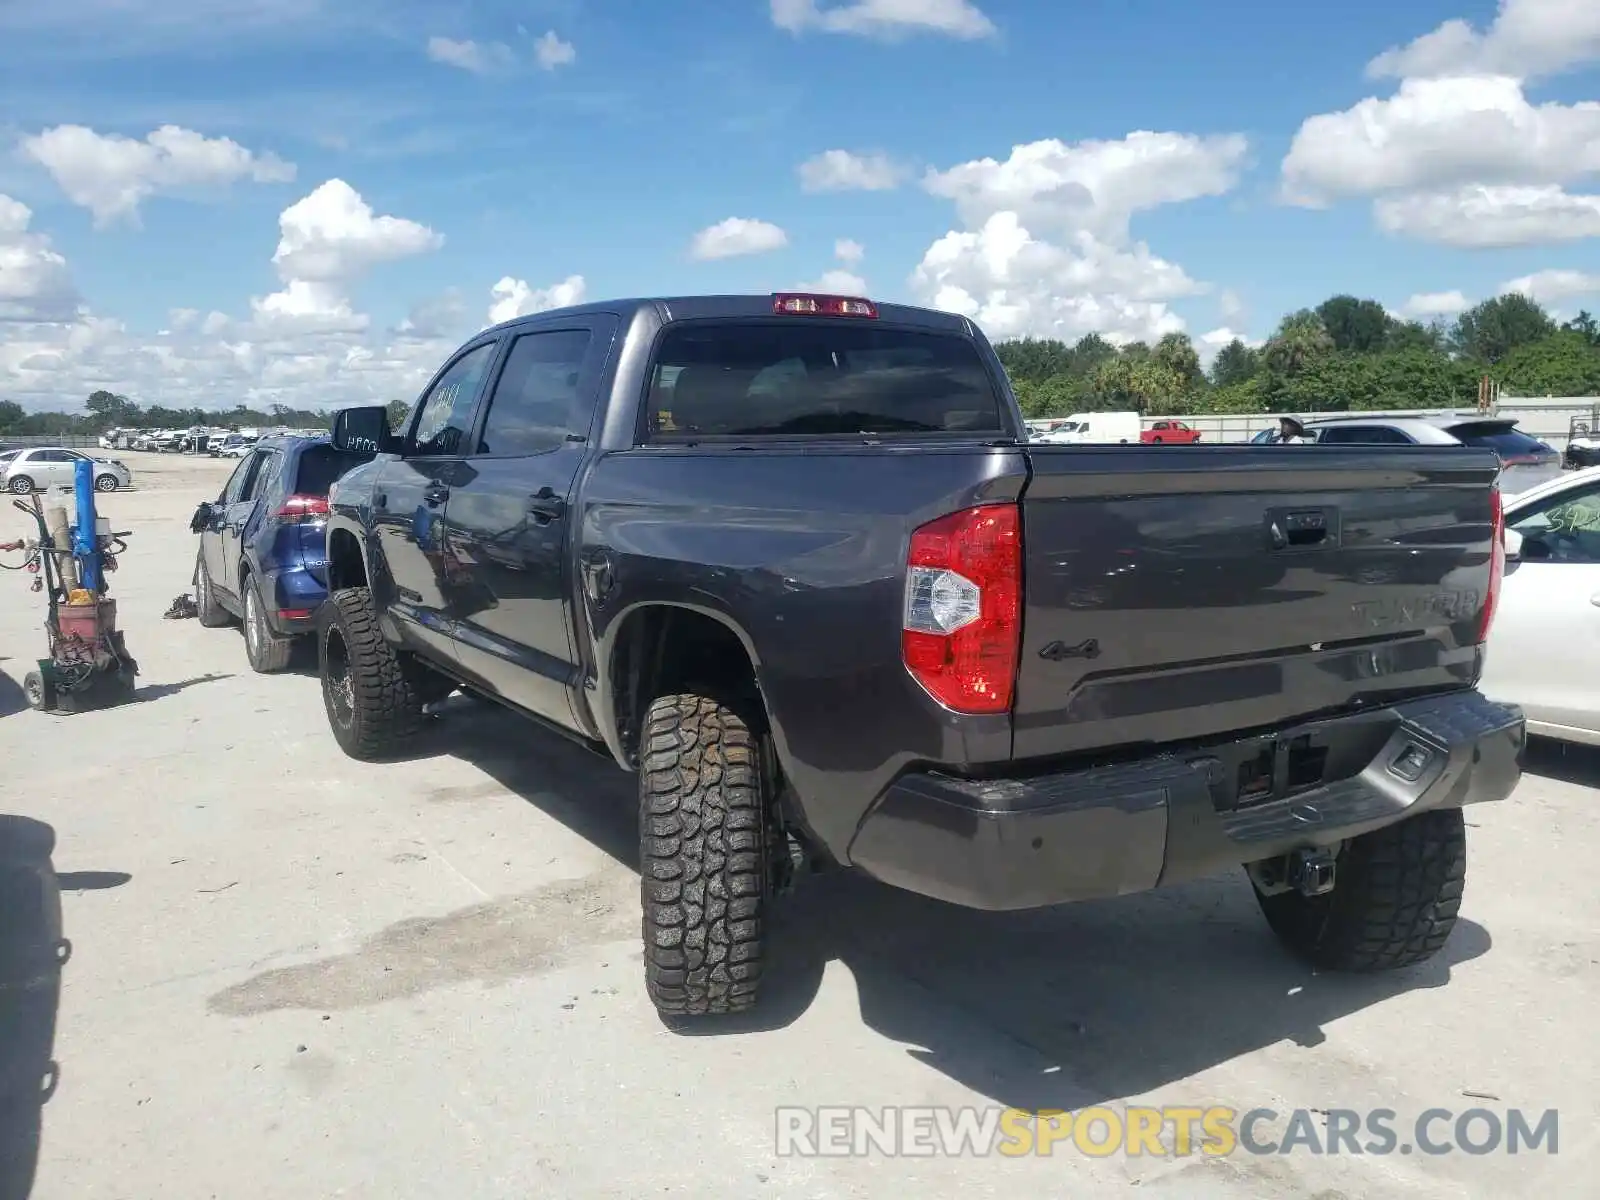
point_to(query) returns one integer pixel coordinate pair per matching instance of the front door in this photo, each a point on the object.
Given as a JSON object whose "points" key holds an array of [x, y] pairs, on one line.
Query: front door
{"points": [[510, 521], [1544, 647], [409, 502]]}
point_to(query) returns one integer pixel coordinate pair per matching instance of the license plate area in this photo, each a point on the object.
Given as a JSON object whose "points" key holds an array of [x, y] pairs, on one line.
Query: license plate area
{"points": [[1271, 767]]}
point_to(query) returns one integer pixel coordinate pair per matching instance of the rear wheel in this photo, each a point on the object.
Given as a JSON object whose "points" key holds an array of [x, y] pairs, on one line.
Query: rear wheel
{"points": [[21, 485], [370, 692], [702, 831], [1396, 894], [267, 651]]}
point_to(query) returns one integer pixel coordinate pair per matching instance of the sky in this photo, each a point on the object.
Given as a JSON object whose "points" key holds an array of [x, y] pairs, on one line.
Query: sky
{"points": [[311, 202]]}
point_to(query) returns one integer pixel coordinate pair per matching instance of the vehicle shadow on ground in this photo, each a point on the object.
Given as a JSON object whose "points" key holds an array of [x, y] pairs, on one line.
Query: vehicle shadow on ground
{"points": [[156, 691], [32, 951], [1564, 761], [12, 698], [1059, 1008]]}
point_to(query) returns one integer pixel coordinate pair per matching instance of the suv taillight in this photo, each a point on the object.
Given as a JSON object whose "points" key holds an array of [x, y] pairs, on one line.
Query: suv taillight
{"points": [[1497, 562], [963, 613], [296, 509]]}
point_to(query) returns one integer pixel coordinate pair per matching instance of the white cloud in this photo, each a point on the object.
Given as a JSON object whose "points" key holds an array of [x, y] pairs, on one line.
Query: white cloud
{"points": [[1094, 185], [1480, 216], [512, 298], [1528, 38], [439, 317], [849, 252], [34, 282], [1458, 155], [478, 57], [1428, 305], [844, 171], [884, 18], [332, 236], [327, 241], [1046, 249], [836, 282], [1436, 134], [110, 174], [551, 52], [737, 236], [1211, 343], [1554, 286]]}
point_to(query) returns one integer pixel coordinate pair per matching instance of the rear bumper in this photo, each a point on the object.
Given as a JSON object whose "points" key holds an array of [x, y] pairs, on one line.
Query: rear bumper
{"points": [[1106, 831], [295, 595]]}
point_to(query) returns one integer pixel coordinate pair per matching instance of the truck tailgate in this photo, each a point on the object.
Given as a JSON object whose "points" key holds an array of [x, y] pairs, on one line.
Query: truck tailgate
{"points": [[1174, 595]]}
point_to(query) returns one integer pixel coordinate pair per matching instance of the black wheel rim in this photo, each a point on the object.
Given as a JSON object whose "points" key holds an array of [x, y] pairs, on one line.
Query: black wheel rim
{"points": [[338, 688]]}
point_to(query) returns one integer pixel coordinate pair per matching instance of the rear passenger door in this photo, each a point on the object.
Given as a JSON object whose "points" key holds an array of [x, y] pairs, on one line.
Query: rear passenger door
{"points": [[508, 523]]}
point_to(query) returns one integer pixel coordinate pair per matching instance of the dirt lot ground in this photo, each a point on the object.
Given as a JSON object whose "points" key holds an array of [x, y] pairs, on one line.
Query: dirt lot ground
{"points": [[296, 976]]}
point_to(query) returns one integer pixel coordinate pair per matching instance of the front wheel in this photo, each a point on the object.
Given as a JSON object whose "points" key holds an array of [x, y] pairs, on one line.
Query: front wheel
{"points": [[702, 833], [1396, 894], [370, 693], [41, 695], [208, 610], [105, 483]]}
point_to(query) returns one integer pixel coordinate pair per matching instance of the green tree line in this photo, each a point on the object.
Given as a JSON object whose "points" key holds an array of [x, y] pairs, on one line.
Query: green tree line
{"points": [[1346, 353], [108, 410]]}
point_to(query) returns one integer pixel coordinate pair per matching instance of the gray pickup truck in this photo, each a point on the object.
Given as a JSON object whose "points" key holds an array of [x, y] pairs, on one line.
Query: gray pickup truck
{"points": [[792, 561]]}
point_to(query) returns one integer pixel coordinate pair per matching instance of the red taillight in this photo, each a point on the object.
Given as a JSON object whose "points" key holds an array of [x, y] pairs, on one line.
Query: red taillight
{"points": [[1497, 562], [295, 509], [293, 614], [795, 305], [963, 612]]}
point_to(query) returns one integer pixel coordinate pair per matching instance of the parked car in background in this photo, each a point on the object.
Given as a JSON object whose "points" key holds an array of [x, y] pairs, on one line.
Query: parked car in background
{"points": [[1114, 427], [37, 467], [1525, 461], [233, 445], [261, 557], [1544, 653], [1175, 432]]}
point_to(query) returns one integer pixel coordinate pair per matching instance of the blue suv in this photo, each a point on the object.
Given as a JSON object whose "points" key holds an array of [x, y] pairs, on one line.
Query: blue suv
{"points": [[262, 557]]}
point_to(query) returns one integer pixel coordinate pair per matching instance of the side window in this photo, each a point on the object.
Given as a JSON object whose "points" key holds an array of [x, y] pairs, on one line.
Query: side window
{"points": [[446, 414], [1563, 528], [266, 468], [537, 401], [1362, 435], [236, 481]]}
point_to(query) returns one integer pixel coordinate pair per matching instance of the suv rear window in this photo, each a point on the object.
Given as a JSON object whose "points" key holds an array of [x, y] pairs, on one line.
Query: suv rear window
{"points": [[1505, 440], [796, 377], [320, 465]]}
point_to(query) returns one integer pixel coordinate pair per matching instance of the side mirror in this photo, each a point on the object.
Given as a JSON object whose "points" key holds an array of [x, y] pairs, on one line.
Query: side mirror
{"points": [[364, 428], [203, 516], [1513, 545]]}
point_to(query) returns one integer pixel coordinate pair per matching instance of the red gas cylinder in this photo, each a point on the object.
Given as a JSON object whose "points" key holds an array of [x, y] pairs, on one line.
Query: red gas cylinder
{"points": [[89, 622]]}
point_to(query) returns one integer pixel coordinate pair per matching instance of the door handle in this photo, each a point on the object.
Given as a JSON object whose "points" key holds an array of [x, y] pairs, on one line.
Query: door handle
{"points": [[545, 506], [435, 494]]}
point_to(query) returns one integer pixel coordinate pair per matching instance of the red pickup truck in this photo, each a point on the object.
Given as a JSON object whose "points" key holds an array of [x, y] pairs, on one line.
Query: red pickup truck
{"points": [[1170, 431]]}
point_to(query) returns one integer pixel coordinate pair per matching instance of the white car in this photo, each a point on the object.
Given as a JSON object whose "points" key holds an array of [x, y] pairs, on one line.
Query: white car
{"points": [[36, 467], [1544, 647]]}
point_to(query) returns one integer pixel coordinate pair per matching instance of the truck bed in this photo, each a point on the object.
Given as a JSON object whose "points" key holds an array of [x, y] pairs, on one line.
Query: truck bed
{"points": [[1172, 596]]}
